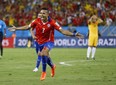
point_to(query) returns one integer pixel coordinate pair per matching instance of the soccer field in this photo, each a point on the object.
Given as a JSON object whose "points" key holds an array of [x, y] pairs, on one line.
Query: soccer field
{"points": [[72, 68]]}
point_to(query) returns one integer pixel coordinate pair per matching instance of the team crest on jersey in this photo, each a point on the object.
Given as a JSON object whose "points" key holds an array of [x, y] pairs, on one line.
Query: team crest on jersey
{"points": [[48, 25], [57, 24]]}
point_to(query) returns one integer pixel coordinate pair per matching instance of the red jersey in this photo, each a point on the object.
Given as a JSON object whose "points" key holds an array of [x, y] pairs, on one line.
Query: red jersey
{"points": [[44, 31]]}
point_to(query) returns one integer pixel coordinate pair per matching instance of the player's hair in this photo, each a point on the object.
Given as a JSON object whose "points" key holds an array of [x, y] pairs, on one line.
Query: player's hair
{"points": [[44, 8]]}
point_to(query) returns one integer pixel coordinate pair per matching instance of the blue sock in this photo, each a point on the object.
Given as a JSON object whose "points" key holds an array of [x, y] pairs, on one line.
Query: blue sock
{"points": [[38, 61], [44, 63], [49, 62]]}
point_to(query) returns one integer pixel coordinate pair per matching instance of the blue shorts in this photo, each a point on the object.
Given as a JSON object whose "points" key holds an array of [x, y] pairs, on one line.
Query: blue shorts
{"points": [[39, 47]]}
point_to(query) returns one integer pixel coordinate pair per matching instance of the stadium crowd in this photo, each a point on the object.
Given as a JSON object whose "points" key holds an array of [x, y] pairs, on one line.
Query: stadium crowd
{"points": [[65, 12]]}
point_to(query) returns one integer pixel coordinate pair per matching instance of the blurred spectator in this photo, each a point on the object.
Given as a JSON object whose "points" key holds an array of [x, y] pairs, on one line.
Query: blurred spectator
{"points": [[29, 43], [14, 37], [11, 20], [72, 28], [108, 21], [76, 12]]}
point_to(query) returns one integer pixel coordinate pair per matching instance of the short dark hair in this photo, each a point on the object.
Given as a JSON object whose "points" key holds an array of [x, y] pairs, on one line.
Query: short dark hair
{"points": [[44, 8]]}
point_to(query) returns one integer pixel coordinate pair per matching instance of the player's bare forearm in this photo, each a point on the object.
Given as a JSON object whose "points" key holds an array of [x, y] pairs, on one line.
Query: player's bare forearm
{"points": [[90, 20], [13, 28], [32, 34], [78, 35], [66, 32], [100, 20], [22, 28]]}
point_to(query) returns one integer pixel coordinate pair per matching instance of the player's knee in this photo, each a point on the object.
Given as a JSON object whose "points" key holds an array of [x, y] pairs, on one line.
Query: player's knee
{"points": [[40, 54], [44, 53]]}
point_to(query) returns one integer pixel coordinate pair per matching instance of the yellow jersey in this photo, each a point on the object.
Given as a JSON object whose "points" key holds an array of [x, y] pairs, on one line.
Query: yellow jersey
{"points": [[93, 29]]}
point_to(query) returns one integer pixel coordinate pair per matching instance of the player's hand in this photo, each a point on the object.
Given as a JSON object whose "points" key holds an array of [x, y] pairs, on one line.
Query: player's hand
{"points": [[78, 35], [13, 28], [34, 37]]}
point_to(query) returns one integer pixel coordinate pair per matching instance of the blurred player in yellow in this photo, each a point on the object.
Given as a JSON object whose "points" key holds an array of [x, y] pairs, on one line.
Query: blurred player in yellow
{"points": [[93, 35]]}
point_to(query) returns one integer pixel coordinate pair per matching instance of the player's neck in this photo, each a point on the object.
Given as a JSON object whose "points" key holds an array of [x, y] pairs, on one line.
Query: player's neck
{"points": [[44, 21]]}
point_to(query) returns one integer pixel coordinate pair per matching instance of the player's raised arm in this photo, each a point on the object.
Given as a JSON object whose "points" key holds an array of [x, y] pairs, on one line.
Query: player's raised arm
{"points": [[13, 28], [100, 20], [68, 33], [90, 20], [26, 27]]}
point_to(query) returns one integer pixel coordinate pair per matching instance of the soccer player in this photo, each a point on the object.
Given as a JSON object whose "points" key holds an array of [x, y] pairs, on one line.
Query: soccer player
{"points": [[93, 35], [2, 35], [44, 27], [49, 61]]}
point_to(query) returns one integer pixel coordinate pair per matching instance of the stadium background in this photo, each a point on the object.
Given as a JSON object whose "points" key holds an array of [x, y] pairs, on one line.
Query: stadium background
{"points": [[72, 67], [70, 14]]}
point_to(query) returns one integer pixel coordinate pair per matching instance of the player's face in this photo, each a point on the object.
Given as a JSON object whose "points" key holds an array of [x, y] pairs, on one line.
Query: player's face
{"points": [[39, 15], [44, 15], [94, 19]]}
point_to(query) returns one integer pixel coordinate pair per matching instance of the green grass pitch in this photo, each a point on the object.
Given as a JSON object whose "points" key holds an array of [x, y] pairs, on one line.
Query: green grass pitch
{"points": [[17, 64]]}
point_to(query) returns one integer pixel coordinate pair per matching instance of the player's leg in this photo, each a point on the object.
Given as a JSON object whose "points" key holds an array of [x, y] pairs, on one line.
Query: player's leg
{"points": [[46, 59], [90, 43], [49, 62], [53, 66], [38, 58], [1, 50], [93, 52], [1, 47], [44, 54], [94, 48], [29, 44], [50, 45], [37, 63], [88, 52]]}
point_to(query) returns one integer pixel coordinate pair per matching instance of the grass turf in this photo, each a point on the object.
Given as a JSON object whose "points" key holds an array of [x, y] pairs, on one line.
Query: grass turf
{"points": [[17, 64]]}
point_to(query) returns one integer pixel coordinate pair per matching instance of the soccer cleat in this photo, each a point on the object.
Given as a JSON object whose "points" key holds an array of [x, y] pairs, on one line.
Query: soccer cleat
{"points": [[53, 71], [43, 76], [35, 70]]}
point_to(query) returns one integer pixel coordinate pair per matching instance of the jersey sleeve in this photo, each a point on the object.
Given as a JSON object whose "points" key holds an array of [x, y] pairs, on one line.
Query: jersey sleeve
{"points": [[33, 24], [56, 25]]}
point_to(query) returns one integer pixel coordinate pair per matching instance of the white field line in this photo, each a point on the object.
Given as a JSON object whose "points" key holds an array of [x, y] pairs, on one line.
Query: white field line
{"points": [[69, 63], [63, 63]]}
